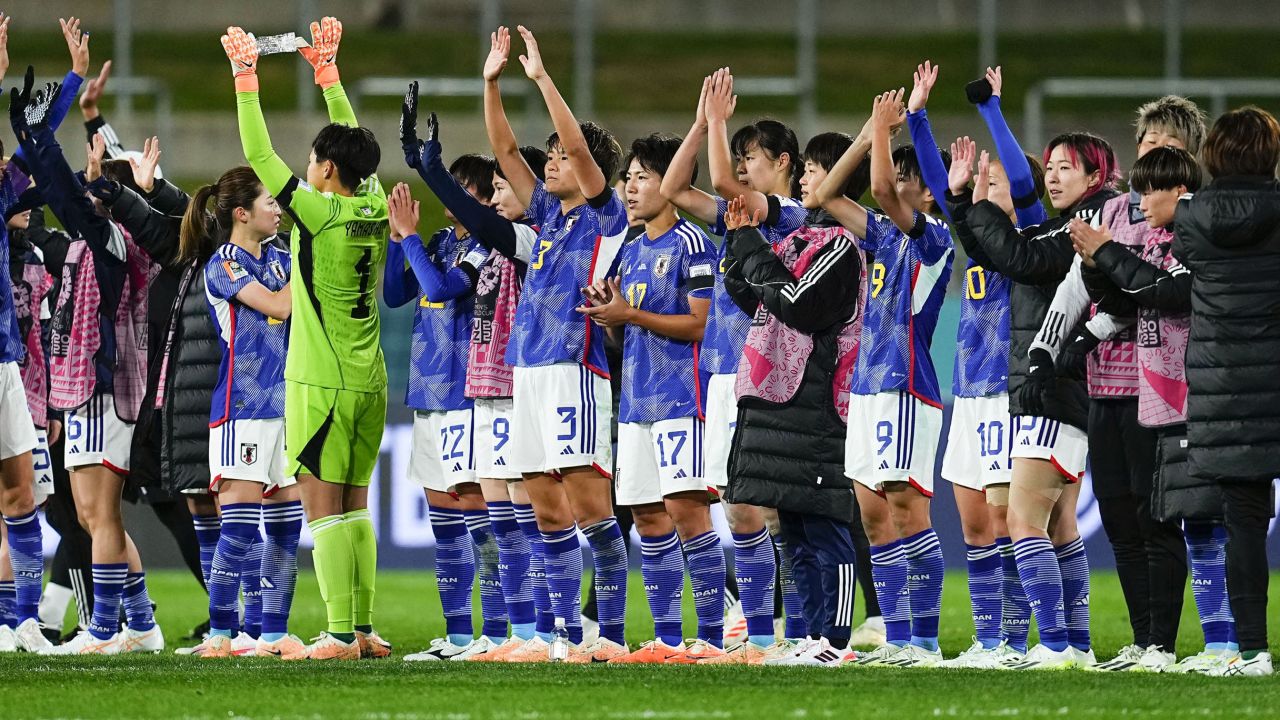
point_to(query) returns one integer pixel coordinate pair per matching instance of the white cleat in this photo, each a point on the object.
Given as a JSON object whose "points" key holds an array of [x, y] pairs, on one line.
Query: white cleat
{"points": [[1042, 658], [8, 639], [1127, 659], [479, 646], [1203, 663], [880, 657], [823, 655], [440, 649], [869, 634], [84, 643], [1084, 659], [914, 656], [142, 641], [1007, 654], [977, 657], [243, 644], [1155, 659], [30, 639], [735, 625], [801, 649], [1259, 666]]}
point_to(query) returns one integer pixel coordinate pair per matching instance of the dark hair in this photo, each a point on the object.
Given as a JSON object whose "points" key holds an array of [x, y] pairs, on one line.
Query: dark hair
{"points": [[604, 149], [825, 150], [1176, 116], [1037, 173], [774, 139], [1090, 152], [654, 153], [475, 170], [1245, 141], [908, 167], [202, 231], [122, 172], [353, 150], [1165, 168]]}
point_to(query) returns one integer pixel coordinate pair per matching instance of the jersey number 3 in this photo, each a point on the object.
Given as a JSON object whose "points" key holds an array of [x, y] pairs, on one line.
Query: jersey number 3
{"points": [[543, 247]]}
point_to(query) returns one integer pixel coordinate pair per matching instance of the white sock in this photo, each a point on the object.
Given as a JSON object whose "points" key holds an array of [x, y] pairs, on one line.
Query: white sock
{"points": [[53, 605]]}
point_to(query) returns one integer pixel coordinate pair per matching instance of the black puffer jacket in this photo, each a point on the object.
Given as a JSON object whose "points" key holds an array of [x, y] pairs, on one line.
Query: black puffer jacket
{"points": [[1228, 236], [791, 456], [1036, 260]]}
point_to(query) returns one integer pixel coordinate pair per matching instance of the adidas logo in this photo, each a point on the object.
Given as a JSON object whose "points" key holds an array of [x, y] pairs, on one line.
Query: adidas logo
{"points": [[266, 584], [500, 461], [567, 451], [1026, 441], [74, 449], [457, 467], [681, 474], [995, 465], [884, 464]]}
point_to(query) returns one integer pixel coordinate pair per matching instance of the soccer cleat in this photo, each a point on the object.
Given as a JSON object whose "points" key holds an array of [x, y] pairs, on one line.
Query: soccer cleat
{"points": [[653, 652], [695, 652], [1155, 659], [8, 639], [1127, 659], [1043, 658], [479, 646], [914, 656], [439, 649], [534, 650], [1084, 659], [372, 646], [328, 647], [29, 637], [976, 657], [217, 646], [289, 647], [601, 651], [142, 641], [1239, 667], [243, 644], [590, 631], [1006, 654], [84, 643], [735, 625], [500, 653], [1202, 663], [869, 634], [781, 648], [196, 650], [821, 654], [880, 657], [803, 648], [742, 654]]}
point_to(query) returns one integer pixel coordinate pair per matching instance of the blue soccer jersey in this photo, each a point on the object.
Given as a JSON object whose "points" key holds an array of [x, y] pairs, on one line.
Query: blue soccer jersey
{"points": [[907, 279], [660, 378], [441, 336], [251, 377], [982, 337], [573, 250], [727, 325]]}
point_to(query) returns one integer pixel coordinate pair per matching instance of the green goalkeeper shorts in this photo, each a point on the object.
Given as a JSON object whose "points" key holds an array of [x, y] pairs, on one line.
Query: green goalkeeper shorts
{"points": [[333, 434]]}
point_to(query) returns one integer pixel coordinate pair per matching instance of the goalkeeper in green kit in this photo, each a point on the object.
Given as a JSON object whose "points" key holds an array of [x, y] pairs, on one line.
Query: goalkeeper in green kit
{"points": [[335, 376]]}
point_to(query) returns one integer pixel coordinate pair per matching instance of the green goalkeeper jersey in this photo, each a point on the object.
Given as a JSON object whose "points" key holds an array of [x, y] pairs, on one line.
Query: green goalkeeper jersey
{"points": [[338, 242]]}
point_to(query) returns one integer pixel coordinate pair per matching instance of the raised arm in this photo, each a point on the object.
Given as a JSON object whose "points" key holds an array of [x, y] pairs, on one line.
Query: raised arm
{"points": [[719, 107], [591, 180], [932, 169], [830, 193], [677, 183], [985, 92], [242, 51], [437, 283], [886, 111], [502, 139]]}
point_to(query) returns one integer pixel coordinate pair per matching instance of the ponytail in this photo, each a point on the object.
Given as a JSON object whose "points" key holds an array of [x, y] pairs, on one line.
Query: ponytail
{"points": [[204, 229], [195, 241]]}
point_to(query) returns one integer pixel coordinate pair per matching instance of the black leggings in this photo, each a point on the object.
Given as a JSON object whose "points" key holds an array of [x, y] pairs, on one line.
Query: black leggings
{"points": [[1249, 506]]}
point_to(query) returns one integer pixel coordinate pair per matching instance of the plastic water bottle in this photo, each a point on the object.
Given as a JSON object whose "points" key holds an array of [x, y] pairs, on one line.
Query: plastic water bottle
{"points": [[559, 650]]}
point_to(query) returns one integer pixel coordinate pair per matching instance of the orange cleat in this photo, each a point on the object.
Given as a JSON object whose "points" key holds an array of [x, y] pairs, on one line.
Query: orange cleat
{"points": [[328, 647], [500, 653], [696, 652], [743, 654], [535, 650], [602, 650], [289, 647], [654, 652], [216, 646], [372, 646]]}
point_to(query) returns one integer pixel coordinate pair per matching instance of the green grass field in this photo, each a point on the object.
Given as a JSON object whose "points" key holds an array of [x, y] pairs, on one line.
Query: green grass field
{"points": [[408, 614]]}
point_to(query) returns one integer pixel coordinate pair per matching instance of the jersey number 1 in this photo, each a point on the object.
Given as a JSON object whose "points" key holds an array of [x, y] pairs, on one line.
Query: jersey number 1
{"points": [[363, 267]]}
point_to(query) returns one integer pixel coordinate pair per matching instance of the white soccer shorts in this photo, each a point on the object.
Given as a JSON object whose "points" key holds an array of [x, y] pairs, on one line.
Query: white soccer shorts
{"points": [[250, 449], [893, 437], [722, 420], [1066, 446], [979, 442], [17, 432], [658, 459], [560, 419], [443, 454], [97, 436], [493, 439]]}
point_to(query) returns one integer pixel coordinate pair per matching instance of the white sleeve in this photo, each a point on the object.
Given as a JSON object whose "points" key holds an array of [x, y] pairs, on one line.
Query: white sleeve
{"points": [[1070, 303], [609, 247], [525, 239], [1105, 326]]}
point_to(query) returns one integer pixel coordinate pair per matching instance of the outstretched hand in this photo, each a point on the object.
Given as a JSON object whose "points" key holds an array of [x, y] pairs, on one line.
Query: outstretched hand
{"points": [[720, 101], [982, 181], [532, 57], [4, 44], [960, 173], [242, 51], [735, 215], [402, 212], [77, 44], [93, 92], [409, 141], [94, 151], [923, 80], [144, 170], [995, 79], [887, 110], [499, 51], [322, 53]]}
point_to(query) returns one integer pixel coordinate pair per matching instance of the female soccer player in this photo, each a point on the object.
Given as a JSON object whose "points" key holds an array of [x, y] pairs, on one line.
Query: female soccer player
{"points": [[248, 291], [561, 394], [761, 163], [1049, 442]]}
